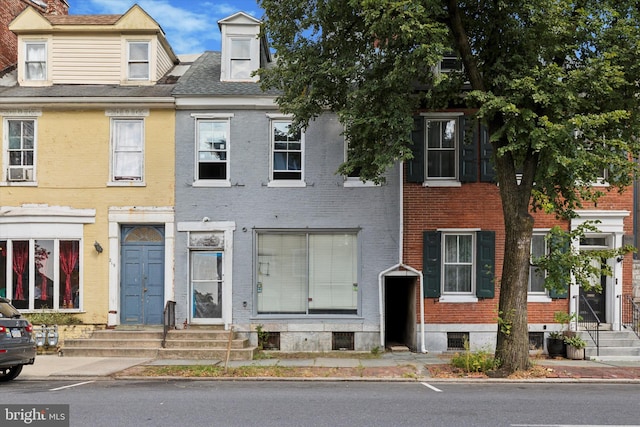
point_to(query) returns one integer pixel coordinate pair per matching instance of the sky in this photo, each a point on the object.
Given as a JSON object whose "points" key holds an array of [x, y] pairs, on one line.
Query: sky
{"points": [[191, 26]]}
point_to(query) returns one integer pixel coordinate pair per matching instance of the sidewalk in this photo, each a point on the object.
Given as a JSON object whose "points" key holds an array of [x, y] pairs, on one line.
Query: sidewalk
{"points": [[390, 366]]}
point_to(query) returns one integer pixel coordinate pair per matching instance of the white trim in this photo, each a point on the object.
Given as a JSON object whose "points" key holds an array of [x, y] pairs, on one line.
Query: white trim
{"points": [[273, 119], [222, 101], [283, 183], [538, 298], [457, 298], [209, 118], [4, 179], [441, 183], [204, 183], [612, 224], [126, 112], [212, 115], [227, 227], [112, 149], [138, 215]]}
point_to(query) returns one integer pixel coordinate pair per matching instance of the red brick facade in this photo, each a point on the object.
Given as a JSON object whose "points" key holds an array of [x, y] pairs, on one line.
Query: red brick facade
{"points": [[9, 9], [478, 206]]}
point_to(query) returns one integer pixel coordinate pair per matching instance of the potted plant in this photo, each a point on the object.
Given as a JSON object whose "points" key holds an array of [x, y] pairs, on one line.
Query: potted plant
{"points": [[555, 343], [575, 347]]}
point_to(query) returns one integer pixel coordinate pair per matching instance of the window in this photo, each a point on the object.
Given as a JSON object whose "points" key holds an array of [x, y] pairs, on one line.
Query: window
{"points": [[307, 273], [138, 61], [127, 145], [206, 284], [35, 62], [21, 141], [212, 150], [41, 273], [537, 276], [441, 149], [240, 59], [458, 266], [287, 149], [353, 179], [449, 149], [458, 263]]}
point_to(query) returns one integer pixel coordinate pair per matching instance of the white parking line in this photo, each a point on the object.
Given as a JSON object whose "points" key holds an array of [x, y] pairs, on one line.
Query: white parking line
{"points": [[70, 385], [432, 387]]}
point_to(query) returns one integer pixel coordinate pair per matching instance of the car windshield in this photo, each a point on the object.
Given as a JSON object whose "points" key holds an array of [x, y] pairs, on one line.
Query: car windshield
{"points": [[7, 310]]}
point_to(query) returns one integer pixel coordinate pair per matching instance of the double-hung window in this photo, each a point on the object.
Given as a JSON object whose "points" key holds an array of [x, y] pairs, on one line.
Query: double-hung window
{"points": [[138, 60], [127, 142], [307, 273], [458, 265], [442, 149], [212, 150], [20, 137], [35, 61], [287, 151], [240, 59]]}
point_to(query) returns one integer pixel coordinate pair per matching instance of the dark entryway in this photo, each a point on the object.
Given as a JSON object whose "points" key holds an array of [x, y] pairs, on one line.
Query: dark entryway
{"points": [[596, 300], [400, 311]]}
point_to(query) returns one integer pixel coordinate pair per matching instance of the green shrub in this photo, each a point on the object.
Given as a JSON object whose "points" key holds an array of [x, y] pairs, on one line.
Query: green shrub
{"points": [[52, 318], [474, 361]]}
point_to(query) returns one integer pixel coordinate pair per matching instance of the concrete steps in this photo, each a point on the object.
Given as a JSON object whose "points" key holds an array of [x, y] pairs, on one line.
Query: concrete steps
{"points": [[197, 343], [614, 345]]}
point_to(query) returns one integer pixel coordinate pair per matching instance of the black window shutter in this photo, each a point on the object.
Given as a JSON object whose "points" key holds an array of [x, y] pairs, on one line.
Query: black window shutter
{"points": [[431, 265], [487, 171], [485, 264], [468, 149], [415, 166]]}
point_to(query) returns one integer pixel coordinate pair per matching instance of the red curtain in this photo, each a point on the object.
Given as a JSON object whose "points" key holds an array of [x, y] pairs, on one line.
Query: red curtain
{"points": [[43, 277], [69, 252], [20, 258]]}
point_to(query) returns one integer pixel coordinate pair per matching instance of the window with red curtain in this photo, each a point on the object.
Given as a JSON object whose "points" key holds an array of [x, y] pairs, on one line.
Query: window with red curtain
{"points": [[20, 267], [69, 277]]}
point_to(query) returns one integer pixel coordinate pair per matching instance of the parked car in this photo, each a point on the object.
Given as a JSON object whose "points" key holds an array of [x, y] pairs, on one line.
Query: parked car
{"points": [[17, 346]]}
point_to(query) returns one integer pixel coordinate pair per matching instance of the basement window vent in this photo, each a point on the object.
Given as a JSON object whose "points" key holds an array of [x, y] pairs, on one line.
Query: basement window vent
{"points": [[272, 341], [456, 340], [536, 340], [342, 341]]}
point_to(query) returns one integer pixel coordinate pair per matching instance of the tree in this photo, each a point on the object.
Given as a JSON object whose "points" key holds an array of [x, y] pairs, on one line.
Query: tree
{"points": [[554, 81]]}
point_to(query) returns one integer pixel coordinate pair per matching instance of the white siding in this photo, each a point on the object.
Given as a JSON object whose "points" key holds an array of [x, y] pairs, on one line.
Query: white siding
{"points": [[86, 60], [164, 63]]}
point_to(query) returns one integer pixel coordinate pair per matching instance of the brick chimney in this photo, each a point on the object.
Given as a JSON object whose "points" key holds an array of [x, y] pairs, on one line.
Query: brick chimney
{"points": [[9, 9]]}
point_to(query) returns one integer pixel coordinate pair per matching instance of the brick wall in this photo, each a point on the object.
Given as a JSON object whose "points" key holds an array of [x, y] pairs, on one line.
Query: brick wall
{"points": [[478, 205], [9, 9]]}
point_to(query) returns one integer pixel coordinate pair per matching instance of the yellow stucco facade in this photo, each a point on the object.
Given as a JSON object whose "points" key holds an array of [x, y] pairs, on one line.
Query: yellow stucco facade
{"points": [[74, 155]]}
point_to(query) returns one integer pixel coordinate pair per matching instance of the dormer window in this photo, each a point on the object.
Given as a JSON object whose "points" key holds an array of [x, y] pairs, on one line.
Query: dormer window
{"points": [[35, 63], [138, 61], [240, 59]]}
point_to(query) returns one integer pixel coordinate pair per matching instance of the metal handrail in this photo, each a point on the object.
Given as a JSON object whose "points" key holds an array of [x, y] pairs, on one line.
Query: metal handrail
{"points": [[631, 314], [587, 321], [169, 320]]}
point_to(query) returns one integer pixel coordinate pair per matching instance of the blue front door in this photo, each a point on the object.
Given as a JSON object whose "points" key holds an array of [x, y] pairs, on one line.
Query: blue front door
{"points": [[142, 275]]}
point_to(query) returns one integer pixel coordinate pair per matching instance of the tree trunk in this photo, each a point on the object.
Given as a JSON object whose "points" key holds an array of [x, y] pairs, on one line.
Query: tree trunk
{"points": [[512, 345]]}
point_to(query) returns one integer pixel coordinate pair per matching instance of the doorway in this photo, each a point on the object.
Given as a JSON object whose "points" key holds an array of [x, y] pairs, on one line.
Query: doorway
{"points": [[400, 311], [142, 275]]}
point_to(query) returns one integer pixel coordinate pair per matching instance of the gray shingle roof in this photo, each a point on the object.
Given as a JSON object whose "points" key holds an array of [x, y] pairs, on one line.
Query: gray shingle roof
{"points": [[203, 79], [89, 91]]}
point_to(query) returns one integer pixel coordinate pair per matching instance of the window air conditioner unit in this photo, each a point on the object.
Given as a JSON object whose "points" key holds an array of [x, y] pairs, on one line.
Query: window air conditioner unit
{"points": [[20, 174]]}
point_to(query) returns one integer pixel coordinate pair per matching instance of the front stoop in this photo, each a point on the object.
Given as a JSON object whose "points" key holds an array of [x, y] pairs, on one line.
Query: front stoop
{"points": [[198, 343], [614, 345]]}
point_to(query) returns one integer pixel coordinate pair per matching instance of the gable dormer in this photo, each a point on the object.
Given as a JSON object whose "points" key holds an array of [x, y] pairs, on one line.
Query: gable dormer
{"points": [[243, 51], [127, 49]]}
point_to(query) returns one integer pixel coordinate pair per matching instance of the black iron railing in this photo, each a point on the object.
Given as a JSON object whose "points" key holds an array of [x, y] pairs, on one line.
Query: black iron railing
{"points": [[589, 321], [169, 321], [630, 314]]}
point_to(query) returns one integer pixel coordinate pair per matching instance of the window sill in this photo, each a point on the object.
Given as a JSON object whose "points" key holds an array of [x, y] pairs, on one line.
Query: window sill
{"points": [[538, 298], [18, 184], [211, 183], [443, 183], [458, 298], [126, 184], [286, 183], [357, 182]]}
